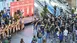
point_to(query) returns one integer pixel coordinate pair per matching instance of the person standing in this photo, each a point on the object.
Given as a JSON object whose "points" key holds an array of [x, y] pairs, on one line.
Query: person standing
{"points": [[34, 40], [61, 37], [6, 41], [22, 41], [39, 35], [34, 23], [62, 28], [65, 34], [44, 40]]}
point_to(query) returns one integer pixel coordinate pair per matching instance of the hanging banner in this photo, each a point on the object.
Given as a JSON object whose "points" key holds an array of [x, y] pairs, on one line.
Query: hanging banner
{"points": [[57, 12], [25, 6], [50, 8]]}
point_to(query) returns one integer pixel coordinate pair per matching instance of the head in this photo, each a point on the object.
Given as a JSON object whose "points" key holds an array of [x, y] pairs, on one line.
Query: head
{"points": [[2, 12], [21, 39], [15, 12], [34, 36]]}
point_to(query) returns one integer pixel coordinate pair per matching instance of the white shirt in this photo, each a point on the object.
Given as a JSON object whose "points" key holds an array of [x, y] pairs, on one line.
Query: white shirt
{"points": [[65, 32], [57, 33]]}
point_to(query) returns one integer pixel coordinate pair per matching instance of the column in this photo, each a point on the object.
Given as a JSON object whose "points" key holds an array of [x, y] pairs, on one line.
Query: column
{"points": [[27, 10]]}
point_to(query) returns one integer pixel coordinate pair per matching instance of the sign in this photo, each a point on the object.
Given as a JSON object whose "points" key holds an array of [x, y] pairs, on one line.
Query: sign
{"points": [[27, 7]]}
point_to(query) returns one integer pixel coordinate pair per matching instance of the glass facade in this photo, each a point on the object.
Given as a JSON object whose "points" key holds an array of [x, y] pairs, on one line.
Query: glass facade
{"points": [[5, 3]]}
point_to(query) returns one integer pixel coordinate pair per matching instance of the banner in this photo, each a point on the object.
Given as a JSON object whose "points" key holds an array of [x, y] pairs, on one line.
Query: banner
{"points": [[25, 6]]}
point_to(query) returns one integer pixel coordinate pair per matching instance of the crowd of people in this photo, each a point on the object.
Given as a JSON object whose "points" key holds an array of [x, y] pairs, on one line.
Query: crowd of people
{"points": [[61, 28], [9, 25], [4, 21]]}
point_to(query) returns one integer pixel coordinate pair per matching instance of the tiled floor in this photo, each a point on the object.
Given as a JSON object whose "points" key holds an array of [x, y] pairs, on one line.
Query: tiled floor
{"points": [[26, 34]]}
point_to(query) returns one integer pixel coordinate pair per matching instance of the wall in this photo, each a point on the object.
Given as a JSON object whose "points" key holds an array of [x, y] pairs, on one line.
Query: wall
{"points": [[26, 7]]}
